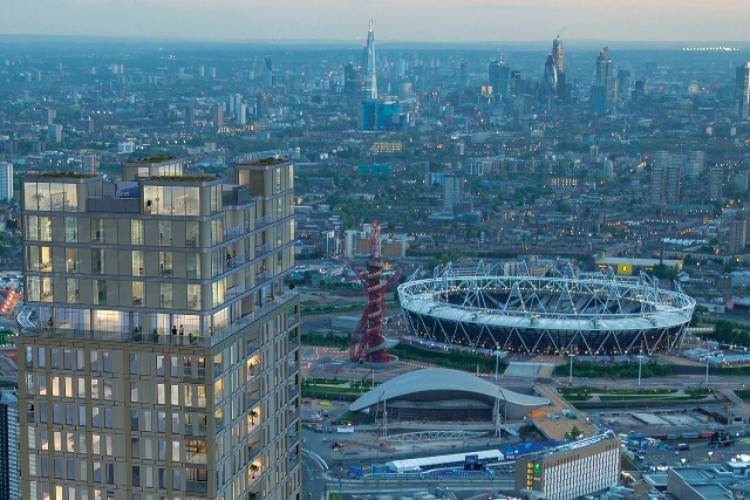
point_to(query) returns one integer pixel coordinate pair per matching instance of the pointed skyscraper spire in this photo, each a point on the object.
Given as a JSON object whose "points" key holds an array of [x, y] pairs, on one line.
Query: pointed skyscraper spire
{"points": [[371, 82]]}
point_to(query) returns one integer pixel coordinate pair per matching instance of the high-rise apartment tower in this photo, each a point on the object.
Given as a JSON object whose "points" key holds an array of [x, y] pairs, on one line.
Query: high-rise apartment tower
{"points": [[158, 357]]}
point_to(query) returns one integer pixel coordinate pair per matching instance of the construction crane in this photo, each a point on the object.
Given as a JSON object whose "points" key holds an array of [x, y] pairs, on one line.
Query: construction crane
{"points": [[367, 342]]}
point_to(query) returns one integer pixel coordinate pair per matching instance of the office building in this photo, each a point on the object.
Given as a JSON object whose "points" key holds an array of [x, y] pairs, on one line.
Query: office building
{"points": [[572, 470], [658, 181], [54, 133], [558, 54], [499, 74], [89, 163], [673, 186], [453, 191], [6, 180], [715, 183], [695, 163], [9, 449], [158, 356], [742, 91], [217, 116], [737, 235], [604, 90], [48, 116], [382, 115]]}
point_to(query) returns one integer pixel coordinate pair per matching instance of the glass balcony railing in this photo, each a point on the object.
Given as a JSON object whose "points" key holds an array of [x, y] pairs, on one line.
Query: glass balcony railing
{"points": [[32, 329]]}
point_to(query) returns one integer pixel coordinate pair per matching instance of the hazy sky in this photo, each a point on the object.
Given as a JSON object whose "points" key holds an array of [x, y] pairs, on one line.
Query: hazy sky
{"points": [[395, 20]]}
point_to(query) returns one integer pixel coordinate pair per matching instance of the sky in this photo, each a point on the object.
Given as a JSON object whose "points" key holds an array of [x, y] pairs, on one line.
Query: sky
{"points": [[395, 20]]}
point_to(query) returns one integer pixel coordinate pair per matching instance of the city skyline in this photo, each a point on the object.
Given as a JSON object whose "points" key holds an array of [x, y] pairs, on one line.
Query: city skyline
{"points": [[480, 20]]}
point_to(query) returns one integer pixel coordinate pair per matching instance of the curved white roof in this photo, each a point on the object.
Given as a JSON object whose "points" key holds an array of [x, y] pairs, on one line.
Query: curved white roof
{"points": [[443, 379]]}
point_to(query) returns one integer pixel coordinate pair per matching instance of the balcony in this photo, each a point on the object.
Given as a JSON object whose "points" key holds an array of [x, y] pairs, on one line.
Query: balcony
{"points": [[196, 487], [233, 262], [252, 399], [233, 232], [261, 278], [263, 221], [234, 291], [253, 450], [263, 249], [32, 329], [252, 347]]}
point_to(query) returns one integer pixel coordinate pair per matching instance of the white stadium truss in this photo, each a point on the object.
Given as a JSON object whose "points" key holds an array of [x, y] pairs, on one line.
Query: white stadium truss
{"points": [[566, 313]]}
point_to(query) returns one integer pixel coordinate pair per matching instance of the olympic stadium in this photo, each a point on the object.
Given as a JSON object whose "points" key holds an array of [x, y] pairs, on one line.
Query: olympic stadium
{"points": [[596, 314]]}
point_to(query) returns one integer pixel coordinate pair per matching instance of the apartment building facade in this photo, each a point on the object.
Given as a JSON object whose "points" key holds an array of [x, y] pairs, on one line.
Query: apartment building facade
{"points": [[159, 351]]}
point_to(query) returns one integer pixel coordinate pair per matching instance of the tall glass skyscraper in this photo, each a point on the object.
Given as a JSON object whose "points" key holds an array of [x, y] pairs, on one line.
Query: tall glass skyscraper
{"points": [[158, 357]]}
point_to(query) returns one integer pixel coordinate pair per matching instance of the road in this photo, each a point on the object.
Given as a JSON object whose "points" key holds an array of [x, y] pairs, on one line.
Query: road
{"points": [[313, 478]]}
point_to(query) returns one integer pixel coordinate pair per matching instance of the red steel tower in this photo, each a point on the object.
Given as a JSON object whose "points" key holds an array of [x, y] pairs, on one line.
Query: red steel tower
{"points": [[368, 343]]}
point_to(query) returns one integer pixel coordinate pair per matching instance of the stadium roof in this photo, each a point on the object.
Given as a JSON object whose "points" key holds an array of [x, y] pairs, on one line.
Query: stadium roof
{"points": [[443, 380]]}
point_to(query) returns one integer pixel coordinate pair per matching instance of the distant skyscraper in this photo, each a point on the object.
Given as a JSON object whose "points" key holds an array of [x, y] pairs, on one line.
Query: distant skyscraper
{"points": [[673, 186], [371, 81], [604, 81], [658, 178], [464, 75], [6, 181], [550, 75], [352, 80], [453, 191], [715, 181], [742, 91], [737, 235], [696, 163], [499, 73], [558, 54], [515, 82], [218, 115], [54, 133], [89, 162], [268, 72]]}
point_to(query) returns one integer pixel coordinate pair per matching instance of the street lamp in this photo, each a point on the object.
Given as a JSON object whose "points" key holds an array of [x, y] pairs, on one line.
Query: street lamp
{"points": [[497, 354], [640, 365], [570, 374], [706, 381]]}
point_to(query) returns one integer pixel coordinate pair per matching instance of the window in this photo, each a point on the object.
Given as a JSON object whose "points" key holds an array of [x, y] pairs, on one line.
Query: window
{"points": [[193, 266], [217, 231], [97, 230], [194, 296], [160, 394], [71, 230], [106, 362], [136, 233], [71, 290], [165, 233], [165, 290], [216, 198], [136, 259], [133, 363], [165, 263], [192, 231], [133, 392], [100, 292], [97, 260]]}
